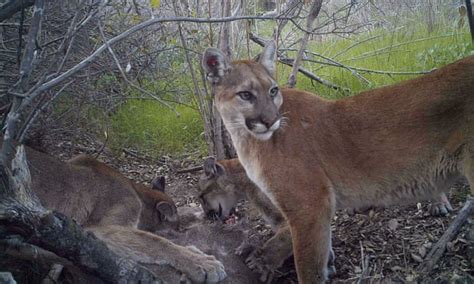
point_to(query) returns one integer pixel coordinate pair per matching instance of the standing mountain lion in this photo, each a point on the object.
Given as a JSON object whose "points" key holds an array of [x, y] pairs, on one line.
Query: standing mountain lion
{"points": [[224, 183], [119, 211], [399, 143]]}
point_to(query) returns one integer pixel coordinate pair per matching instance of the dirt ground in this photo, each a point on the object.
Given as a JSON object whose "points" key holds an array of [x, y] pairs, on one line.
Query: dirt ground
{"points": [[382, 245]]}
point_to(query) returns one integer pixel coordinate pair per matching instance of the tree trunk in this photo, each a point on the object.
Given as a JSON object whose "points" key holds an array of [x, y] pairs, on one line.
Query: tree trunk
{"points": [[430, 16], [223, 148]]}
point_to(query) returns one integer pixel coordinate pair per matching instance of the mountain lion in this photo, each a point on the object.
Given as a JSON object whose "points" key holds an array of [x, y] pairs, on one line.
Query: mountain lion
{"points": [[399, 143], [119, 211], [224, 183]]}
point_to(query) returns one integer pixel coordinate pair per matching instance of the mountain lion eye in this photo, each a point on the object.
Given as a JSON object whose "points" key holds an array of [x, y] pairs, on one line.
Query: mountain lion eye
{"points": [[273, 92], [246, 96]]}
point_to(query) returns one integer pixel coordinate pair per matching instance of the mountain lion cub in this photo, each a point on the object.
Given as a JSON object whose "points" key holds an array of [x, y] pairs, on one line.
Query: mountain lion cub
{"points": [[119, 211], [221, 186], [399, 143]]}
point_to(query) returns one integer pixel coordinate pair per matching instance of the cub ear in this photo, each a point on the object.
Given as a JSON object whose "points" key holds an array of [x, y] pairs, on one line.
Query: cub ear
{"points": [[158, 183], [167, 210], [216, 64], [212, 167], [268, 57]]}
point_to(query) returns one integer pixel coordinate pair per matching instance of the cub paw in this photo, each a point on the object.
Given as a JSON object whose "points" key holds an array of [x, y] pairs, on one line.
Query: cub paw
{"points": [[245, 248], [203, 268], [256, 263], [440, 209]]}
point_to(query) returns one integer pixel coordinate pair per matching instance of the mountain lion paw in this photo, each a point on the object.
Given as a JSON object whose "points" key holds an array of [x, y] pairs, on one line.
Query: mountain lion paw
{"points": [[440, 209], [331, 271], [203, 268]]}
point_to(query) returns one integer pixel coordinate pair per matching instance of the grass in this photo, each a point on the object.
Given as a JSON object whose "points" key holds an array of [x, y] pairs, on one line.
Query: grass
{"points": [[157, 130], [401, 50]]}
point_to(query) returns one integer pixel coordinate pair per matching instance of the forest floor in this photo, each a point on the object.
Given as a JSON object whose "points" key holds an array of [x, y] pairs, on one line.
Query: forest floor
{"points": [[382, 245]]}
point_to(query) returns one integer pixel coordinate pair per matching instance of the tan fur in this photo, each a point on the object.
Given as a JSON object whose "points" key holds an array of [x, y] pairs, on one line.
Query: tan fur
{"points": [[400, 143], [118, 211]]}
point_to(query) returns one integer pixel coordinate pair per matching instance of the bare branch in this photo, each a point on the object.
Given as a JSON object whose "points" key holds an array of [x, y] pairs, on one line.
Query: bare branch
{"points": [[334, 63], [383, 72], [312, 76], [122, 72], [86, 61], [303, 71], [34, 113], [26, 67], [438, 249], [11, 7], [313, 13], [224, 37]]}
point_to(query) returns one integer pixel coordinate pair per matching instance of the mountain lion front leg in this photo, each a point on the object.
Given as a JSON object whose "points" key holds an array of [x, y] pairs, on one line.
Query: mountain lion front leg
{"points": [[468, 166], [311, 241], [311, 234], [152, 249]]}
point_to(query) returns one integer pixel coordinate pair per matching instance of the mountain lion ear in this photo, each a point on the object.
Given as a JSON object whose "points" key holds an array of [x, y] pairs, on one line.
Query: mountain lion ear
{"points": [[166, 210], [158, 183], [268, 57], [216, 64], [209, 166]]}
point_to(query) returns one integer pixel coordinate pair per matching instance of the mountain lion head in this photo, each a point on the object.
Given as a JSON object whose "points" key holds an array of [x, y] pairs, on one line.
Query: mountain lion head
{"points": [[218, 195], [248, 97]]}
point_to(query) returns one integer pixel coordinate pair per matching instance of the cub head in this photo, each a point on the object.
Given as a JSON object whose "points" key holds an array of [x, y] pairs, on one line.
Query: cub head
{"points": [[246, 94], [218, 195], [159, 207]]}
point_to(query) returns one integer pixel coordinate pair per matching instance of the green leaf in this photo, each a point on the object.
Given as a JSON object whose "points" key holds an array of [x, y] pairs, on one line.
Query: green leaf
{"points": [[155, 3]]}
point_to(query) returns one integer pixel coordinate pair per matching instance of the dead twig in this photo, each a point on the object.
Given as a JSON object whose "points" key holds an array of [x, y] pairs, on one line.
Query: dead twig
{"points": [[260, 41], [189, 170], [438, 249], [124, 76]]}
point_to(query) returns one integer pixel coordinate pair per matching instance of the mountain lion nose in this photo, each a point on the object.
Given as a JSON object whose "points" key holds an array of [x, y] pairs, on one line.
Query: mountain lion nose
{"points": [[251, 123]]}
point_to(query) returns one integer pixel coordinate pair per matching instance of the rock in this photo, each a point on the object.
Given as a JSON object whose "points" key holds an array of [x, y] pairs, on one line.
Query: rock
{"points": [[7, 278], [416, 257], [422, 251], [393, 224]]}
